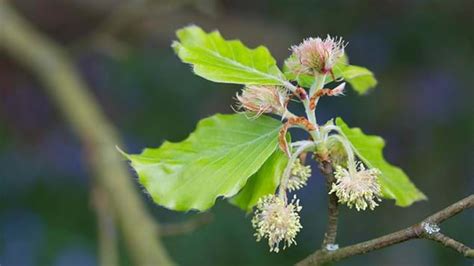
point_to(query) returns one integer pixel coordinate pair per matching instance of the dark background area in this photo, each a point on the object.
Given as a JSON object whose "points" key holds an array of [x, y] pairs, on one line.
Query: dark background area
{"points": [[421, 52]]}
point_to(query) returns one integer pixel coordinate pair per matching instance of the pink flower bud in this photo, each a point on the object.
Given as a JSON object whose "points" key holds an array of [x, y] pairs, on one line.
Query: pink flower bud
{"points": [[315, 55], [263, 99]]}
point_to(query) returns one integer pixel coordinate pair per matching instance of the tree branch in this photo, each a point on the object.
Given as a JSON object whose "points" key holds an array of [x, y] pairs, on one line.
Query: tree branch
{"points": [[70, 94], [186, 226], [451, 243], [130, 15], [427, 229], [108, 244], [333, 211]]}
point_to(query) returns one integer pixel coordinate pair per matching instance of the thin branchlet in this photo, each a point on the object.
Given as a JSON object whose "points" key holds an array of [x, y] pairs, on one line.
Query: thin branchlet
{"points": [[416, 231]]}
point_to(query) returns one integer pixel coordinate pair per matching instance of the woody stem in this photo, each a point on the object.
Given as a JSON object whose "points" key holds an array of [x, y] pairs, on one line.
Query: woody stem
{"points": [[416, 231], [333, 211]]}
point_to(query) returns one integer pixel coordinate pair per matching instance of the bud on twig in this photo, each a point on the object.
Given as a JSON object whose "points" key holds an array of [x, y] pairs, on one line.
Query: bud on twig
{"points": [[263, 99], [315, 55]]}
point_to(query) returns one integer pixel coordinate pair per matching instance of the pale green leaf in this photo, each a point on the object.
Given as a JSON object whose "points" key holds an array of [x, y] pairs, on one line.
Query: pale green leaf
{"points": [[338, 69], [394, 182], [262, 183], [219, 60], [216, 160], [360, 78]]}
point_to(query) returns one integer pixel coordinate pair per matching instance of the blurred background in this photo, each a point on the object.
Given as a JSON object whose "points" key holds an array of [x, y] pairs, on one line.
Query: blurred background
{"points": [[421, 52]]}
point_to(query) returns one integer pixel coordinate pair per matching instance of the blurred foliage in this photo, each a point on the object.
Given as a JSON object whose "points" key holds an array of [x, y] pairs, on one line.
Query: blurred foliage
{"points": [[420, 51]]}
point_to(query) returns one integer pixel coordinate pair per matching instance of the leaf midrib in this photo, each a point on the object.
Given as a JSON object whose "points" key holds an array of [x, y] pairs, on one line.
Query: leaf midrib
{"points": [[176, 188], [237, 63], [158, 161]]}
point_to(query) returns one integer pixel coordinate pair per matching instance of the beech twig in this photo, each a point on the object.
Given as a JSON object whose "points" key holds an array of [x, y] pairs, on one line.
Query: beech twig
{"points": [[426, 229], [333, 211], [186, 226]]}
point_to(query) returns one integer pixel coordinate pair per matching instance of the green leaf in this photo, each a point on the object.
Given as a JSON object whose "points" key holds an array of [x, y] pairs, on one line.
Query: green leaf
{"points": [[262, 183], [219, 60], [360, 78], [394, 182], [216, 160], [338, 69]]}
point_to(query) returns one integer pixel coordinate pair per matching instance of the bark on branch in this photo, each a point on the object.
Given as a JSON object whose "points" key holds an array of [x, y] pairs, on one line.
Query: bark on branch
{"points": [[426, 229], [333, 211], [51, 65]]}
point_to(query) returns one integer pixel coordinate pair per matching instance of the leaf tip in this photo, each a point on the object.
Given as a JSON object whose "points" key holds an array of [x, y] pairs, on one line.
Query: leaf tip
{"points": [[189, 27], [126, 155], [420, 197], [176, 46]]}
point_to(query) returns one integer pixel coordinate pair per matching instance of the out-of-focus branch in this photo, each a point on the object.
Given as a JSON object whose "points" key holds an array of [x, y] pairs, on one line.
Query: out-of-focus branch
{"points": [[427, 229], [186, 226], [71, 95], [108, 248], [126, 22], [132, 13], [128, 12]]}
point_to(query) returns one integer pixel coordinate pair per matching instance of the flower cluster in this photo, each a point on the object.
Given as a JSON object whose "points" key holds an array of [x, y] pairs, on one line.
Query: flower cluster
{"points": [[299, 175], [315, 55], [358, 188], [277, 221], [263, 99]]}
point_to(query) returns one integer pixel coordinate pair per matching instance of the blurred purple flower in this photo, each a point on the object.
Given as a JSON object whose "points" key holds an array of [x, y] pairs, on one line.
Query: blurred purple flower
{"points": [[432, 95], [26, 108], [63, 154]]}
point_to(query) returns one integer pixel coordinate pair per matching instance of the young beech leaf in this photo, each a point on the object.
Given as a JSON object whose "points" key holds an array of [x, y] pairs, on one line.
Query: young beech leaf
{"points": [[219, 60], [262, 183], [360, 78], [216, 160], [394, 182]]}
